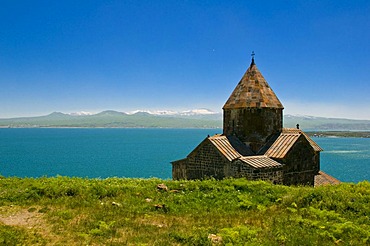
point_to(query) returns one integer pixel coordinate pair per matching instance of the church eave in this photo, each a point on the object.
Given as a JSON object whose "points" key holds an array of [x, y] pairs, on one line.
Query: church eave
{"points": [[251, 107]]}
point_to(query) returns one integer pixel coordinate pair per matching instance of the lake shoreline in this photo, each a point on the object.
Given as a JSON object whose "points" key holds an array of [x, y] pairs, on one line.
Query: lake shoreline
{"points": [[346, 134]]}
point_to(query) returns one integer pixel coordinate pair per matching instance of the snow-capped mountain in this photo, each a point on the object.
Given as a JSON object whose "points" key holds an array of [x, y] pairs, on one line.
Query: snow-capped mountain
{"points": [[81, 113], [192, 112], [307, 117], [201, 111]]}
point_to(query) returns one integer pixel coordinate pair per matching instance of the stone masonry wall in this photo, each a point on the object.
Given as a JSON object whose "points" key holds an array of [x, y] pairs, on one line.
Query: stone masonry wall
{"points": [[300, 164], [253, 126], [206, 161], [242, 170], [179, 169]]}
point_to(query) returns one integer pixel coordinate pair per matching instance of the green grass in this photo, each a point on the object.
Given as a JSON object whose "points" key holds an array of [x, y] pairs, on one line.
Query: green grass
{"points": [[115, 211]]}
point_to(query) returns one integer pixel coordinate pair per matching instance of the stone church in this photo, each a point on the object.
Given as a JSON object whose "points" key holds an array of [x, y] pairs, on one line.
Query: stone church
{"points": [[254, 144]]}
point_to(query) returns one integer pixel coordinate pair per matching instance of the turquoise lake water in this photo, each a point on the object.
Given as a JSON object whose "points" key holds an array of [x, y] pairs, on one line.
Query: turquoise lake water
{"points": [[101, 153]]}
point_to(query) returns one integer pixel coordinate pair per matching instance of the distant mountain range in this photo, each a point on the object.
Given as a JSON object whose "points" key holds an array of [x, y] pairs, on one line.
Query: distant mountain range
{"points": [[199, 118], [312, 123], [112, 118]]}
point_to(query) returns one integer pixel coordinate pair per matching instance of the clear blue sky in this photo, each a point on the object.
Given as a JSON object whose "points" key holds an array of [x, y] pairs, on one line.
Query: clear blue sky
{"points": [[72, 56]]}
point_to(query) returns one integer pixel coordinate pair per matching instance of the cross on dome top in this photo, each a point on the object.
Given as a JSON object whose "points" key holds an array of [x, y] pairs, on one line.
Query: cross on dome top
{"points": [[253, 54]]}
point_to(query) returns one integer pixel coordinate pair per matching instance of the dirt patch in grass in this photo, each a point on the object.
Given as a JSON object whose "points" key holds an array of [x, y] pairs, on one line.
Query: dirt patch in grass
{"points": [[30, 219]]}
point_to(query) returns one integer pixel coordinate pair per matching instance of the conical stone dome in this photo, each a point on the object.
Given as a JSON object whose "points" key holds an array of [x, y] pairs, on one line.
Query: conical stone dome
{"points": [[253, 91]]}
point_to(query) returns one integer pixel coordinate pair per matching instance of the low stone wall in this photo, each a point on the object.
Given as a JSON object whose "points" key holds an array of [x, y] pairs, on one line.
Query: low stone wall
{"points": [[306, 177], [179, 169], [242, 170]]}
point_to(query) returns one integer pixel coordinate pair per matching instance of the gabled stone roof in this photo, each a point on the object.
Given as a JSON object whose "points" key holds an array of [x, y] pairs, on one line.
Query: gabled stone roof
{"points": [[231, 147], [314, 145], [253, 91], [282, 145], [224, 146], [285, 141], [260, 161], [325, 179]]}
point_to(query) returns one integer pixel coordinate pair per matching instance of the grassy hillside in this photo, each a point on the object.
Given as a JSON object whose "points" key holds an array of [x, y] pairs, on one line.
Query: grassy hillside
{"points": [[114, 211]]}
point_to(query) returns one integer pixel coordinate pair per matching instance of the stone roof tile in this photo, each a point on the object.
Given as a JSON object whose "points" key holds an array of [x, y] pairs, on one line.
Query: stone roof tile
{"points": [[231, 147], [260, 161], [285, 142], [314, 145], [253, 91], [325, 179], [282, 145], [224, 146]]}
